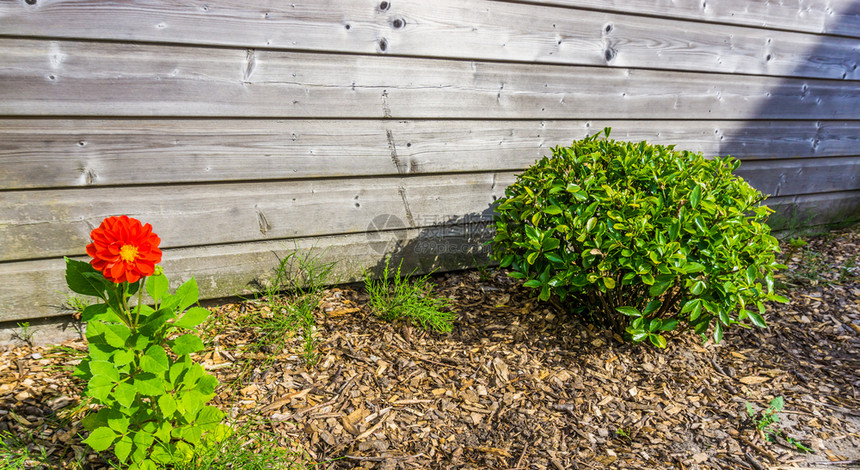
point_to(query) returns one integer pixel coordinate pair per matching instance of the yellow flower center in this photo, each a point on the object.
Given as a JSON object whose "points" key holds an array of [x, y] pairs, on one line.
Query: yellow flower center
{"points": [[128, 253]]}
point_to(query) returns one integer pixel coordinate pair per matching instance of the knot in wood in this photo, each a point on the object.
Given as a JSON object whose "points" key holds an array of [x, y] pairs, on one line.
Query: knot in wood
{"points": [[609, 54]]}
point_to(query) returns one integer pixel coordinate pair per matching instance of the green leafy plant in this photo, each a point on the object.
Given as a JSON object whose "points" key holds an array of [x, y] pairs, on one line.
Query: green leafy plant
{"points": [[292, 295], [640, 238], [75, 304], [766, 421], [15, 453], [395, 297], [151, 396], [24, 333], [769, 416], [248, 448], [793, 245]]}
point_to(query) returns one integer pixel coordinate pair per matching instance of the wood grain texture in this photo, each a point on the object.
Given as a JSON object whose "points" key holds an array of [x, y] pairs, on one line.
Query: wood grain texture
{"points": [[236, 269], [461, 29], [802, 175], [57, 153], [51, 78], [806, 211], [46, 223], [836, 17], [227, 270]]}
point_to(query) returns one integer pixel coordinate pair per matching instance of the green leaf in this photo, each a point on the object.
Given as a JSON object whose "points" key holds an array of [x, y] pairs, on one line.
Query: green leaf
{"points": [[190, 433], [698, 287], [115, 334], [94, 311], [757, 319], [696, 311], [125, 394], [209, 417], [724, 317], [207, 384], [81, 284], [695, 196], [187, 293], [657, 340], [186, 344], [718, 333], [104, 369], [544, 293], [639, 337], [552, 210], [118, 421], [122, 357], [688, 305], [192, 317], [751, 274], [167, 404], [155, 360], [659, 287], [122, 449], [629, 311], [147, 465], [590, 224], [777, 298], [531, 257], [690, 268], [148, 384], [532, 283], [609, 282], [550, 244], [99, 387], [156, 286], [156, 321], [101, 439], [652, 307], [554, 258], [669, 325]]}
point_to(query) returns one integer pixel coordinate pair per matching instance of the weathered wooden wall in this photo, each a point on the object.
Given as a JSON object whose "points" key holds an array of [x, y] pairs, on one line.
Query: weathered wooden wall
{"points": [[242, 130]]}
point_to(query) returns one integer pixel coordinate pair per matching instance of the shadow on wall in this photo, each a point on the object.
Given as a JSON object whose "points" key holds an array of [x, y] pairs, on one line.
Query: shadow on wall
{"points": [[453, 244], [809, 165]]}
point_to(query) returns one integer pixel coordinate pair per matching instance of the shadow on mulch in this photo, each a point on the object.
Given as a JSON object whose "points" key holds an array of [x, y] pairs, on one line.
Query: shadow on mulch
{"points": [[518, 384]]}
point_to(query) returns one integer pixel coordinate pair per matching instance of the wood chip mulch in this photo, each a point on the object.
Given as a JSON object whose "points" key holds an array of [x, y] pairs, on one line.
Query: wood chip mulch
{"points": [[518, 384]]}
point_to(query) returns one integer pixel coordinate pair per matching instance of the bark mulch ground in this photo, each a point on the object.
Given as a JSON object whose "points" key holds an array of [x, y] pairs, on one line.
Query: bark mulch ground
{"points": [[517, 384]]}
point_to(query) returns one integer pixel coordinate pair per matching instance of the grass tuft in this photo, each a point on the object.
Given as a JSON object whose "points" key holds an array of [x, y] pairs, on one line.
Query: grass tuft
{"points": [[398, 298], [249, 447]]}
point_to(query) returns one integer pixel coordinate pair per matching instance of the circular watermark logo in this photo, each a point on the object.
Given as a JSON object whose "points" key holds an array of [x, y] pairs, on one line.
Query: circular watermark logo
{"points": [[382, 233]]}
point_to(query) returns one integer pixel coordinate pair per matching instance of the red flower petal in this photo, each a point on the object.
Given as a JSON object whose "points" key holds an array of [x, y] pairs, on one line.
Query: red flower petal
{"points": [[109, 238]]}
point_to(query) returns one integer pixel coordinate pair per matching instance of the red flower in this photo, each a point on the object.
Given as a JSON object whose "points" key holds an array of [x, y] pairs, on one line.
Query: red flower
{"points": [[123, 249]]}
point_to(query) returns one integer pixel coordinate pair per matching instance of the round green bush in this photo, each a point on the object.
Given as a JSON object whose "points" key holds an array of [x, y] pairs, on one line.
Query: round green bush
{"points": [[640, 238]]}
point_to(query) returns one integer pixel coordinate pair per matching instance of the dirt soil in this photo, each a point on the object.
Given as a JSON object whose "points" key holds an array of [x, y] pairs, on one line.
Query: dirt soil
{"points": [[518, 384]]}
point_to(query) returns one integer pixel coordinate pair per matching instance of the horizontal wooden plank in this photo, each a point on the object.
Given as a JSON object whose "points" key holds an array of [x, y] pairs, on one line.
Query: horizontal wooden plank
{"points": [[461, 29], [47, 223], [837, 17], [802, 175], [237, 269], [52, 153], [39, 78], [795, 213], [233, 269]]}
